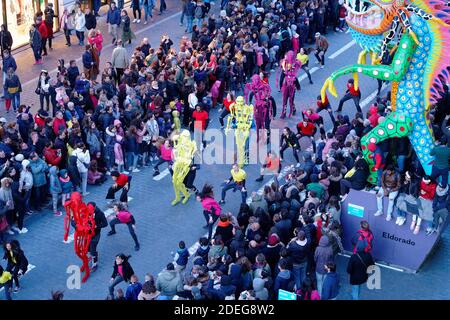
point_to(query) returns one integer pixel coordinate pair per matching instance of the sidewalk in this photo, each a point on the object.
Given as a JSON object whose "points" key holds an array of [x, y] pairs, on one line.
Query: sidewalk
{"points": [[28, 72]]}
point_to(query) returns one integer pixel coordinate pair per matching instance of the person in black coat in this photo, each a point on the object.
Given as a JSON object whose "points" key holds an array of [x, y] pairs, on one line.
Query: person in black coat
{"points": [[289, 140], [225, 229], [125, 275], [357, 269], [100, 223], [284, 279], [17, 262], [6, 40]]}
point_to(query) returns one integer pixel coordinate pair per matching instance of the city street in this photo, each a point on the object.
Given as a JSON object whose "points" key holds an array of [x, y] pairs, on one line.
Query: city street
{"points": [[161, 226]]}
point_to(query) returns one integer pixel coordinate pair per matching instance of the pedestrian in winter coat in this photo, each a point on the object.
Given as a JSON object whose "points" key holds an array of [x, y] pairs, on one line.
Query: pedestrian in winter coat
{"points": [[330, 289], [66, 185], [181, 256], [122, 272], [36, 44], [80, 26], [284, 279], [322, 255], [299, 249], [6, 40], [12, 89], [133, 289], [17, 263], [169, 282], [127, 34], [83, 160], [38, 169], [55, 189], [357, 269], [261, 292], [91, 20], [67, 24]]}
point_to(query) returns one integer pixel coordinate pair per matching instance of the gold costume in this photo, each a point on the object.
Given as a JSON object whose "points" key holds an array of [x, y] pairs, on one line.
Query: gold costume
{"points": [[240, 119], [183, 152]]}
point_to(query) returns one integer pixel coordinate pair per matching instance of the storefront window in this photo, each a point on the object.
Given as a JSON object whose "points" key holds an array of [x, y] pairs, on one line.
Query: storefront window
{"points": [[19, 17]]}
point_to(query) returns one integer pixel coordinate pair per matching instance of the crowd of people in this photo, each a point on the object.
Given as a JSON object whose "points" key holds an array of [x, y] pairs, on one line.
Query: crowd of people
{"points": [[288, 239]]}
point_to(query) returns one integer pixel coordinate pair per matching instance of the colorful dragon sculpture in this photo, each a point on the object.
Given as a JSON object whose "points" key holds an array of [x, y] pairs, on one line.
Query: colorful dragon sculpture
{"points": [[419, 34], [83, 218]]}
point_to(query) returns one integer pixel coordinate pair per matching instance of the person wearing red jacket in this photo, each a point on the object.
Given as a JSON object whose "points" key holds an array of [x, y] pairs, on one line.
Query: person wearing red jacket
{"points": [[271, 166], [351, 93], [200, 118], [121, 181], [59, 123], [227, 102], [308, 129], [426, 197], [43, 30], [40, 118], [52, 156]]}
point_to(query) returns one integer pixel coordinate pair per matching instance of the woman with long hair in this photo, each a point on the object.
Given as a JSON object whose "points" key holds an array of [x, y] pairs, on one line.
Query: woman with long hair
{"points": [[211, 208], [17, 262]]}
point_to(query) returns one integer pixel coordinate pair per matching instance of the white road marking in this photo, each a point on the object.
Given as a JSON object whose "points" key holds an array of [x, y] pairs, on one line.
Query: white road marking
{"points": [[30, 267], [33, 81], [343, 49], [107, 212], [161, 175]]}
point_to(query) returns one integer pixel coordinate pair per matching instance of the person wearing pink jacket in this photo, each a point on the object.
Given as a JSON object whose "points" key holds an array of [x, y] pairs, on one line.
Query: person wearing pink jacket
{"points": [[123, 216], [211, 208], [95, 39], [166, 156]]}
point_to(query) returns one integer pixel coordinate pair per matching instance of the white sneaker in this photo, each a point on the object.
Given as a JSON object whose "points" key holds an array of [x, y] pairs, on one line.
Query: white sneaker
{"points": [[108, 173], [125, 172], [134, 21], [10, 232], [402, 221], [136, 170], [389, 217], [397, 221], [378, 213], [321, 67], [24, 230], [145, 22], [138, 21]]}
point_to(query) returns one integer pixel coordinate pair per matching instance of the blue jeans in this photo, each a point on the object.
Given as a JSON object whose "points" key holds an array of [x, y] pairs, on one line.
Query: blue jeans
{"points": [[320, 277], [356, 289], [15, 100], [132, 160], [190, 21], [401, 213], [299, 271], [199, 23], [234, 185], [148, 11], [437, 172], [7, 286], [116, 281]]}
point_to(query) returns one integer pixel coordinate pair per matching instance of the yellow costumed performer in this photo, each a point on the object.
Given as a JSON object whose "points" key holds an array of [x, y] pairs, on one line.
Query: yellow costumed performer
{"points": [[183, 152], [240, 119]]}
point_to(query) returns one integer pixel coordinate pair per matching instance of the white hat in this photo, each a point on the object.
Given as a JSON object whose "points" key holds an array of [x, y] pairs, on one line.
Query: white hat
{"points": [[19, 157], [317, 34], [3, 120], [223, 13], [155, 85]]}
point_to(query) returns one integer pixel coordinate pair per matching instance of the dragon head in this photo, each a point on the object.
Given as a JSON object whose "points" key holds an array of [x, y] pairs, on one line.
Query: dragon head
{"points": [[370, 19]]}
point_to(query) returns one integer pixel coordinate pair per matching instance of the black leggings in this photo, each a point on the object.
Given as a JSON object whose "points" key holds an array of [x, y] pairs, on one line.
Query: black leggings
{"points": [[115, 221], [123, 197], [138, 10], [294, 151], [45, 97], [207, 215]]}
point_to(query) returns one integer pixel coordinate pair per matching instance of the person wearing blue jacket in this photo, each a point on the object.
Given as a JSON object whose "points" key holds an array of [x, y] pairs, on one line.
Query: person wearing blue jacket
{"points": [[284, 279], [113, 21], [133, 289], [88, 62], [182, 256], [330, 287], [55, 189], [38, 169]]}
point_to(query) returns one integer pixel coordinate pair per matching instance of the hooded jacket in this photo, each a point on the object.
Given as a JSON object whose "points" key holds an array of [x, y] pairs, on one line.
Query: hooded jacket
{"points": [[169, 282], [330, 287], [55, 183], [225, 289], [261, 292], [283, 281], [258, 202], [323, 254], [38, 168]]}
